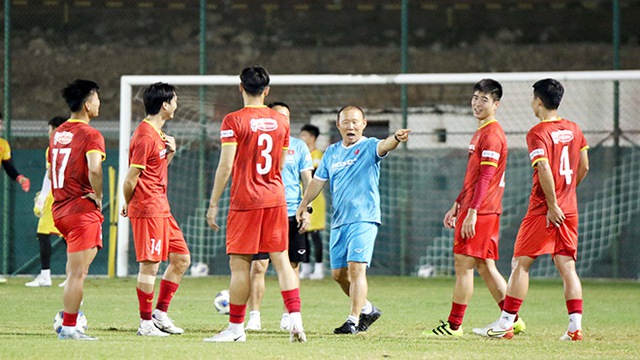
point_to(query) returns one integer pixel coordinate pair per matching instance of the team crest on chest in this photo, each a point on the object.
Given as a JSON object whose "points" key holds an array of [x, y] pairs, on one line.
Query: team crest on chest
{"points": [[263, 124], [63, 137]]}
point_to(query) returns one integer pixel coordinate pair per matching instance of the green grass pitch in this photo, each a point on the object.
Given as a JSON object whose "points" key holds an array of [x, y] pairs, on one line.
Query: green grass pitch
{"points": [[409, 306]]}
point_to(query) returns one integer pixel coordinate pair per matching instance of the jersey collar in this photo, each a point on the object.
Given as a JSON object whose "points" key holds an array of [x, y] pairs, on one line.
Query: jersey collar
{"points": [[160, 132], [487, 123], [77, 121]]}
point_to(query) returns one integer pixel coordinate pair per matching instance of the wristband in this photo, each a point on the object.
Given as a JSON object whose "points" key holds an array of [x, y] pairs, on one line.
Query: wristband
{"points": [[396, 137], [309, 209]]}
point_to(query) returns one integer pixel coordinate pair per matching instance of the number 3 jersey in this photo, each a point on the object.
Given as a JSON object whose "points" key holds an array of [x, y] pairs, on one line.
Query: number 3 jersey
{"points": [[560, 143], [261, 134], [69, 169]]}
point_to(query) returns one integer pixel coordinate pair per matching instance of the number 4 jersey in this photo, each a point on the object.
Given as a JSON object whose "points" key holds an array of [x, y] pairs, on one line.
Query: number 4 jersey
{"points": [[560, 143], [260, 134], [69, 170]]}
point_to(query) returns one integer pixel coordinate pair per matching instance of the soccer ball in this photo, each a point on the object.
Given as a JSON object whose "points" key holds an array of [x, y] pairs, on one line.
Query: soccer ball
{"points": [[199, 269], [81, 322], [221, 302], [426, 271]]}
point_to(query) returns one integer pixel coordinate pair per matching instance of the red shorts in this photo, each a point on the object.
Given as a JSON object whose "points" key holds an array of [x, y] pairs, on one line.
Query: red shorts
{"points": [[484, 245], [155, 238], [535, 238], [81, 231], [260, 230]]}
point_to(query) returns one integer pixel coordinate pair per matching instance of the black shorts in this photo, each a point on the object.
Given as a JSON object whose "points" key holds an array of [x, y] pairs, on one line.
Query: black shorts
{"points": [[297, 246]]}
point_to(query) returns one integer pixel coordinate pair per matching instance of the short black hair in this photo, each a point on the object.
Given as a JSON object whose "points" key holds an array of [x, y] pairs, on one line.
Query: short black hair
{"points": [[346, 107], [77, 92], [489, 86], [278, 103], [550, 92], [311, 129], [254, 79], [57, 121], [157, 94]]}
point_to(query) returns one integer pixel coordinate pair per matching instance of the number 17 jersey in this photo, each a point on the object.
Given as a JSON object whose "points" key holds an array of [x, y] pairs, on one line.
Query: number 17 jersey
{"points": [[68, 147], [560, 143], [260, 134]]}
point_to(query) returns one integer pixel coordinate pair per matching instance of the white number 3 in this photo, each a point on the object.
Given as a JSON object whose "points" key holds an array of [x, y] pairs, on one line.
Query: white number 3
{"points": [[266, 141]]}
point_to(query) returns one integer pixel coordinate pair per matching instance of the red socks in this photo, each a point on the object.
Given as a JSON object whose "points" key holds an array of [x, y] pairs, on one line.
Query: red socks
{"points": [[574, 306], [456, 315], [146, 304], [291, 300], [236, 313], [69, 319], [511, 304], [167, 289]]}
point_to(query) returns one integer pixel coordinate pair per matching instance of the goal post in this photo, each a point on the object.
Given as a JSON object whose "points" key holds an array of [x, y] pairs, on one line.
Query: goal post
{"points": [[442, 123]]}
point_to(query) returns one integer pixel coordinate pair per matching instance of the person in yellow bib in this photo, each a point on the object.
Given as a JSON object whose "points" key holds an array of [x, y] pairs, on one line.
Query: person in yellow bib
{"points": [[42, 209], [309, 134], [10, 169]]}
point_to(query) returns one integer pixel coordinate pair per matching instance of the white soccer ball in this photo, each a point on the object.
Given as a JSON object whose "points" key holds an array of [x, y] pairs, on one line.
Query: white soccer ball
{"points": [[199, 269], [81, 322], [426, 271], [221, 302]]}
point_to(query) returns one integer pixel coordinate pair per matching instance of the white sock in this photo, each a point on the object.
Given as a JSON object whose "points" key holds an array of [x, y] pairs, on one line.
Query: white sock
{"points": [[353, 319], [295, 317], [46, 273], [236, 329], [285, 315], [575, 322], [254, 314], [68, 329], [506, 320], [367, 308]]}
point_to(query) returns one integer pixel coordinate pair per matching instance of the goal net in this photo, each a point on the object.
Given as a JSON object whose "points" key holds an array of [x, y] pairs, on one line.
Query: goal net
{"points": [[420, 181]]}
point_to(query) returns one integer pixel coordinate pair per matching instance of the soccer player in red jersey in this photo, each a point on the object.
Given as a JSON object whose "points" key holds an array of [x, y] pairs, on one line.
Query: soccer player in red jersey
{"points": [[76, 152], [558, 153], [254, 145], [156, 234], [475, 214]]}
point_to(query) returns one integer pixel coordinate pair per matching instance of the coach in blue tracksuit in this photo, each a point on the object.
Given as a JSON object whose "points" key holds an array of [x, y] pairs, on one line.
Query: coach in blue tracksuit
{"points": [[352, 166]]}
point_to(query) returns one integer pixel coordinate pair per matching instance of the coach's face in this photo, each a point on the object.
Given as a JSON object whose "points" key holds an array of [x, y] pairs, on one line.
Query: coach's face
{"points": [[351, 123]]}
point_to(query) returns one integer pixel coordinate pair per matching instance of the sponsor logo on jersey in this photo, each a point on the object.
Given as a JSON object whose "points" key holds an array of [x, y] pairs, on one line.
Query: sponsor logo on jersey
{"points": [[63, 137], [490, 154], [291, 152], [343, 164], [163, 153], [536, 152], [226, 133], [562, 136], [263, 124]]}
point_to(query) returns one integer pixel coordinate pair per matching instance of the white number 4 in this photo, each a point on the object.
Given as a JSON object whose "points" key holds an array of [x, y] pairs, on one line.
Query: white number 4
{"points": [[565, 167]]}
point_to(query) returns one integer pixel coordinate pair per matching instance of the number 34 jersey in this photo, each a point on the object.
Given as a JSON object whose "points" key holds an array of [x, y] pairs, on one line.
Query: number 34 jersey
{"points": [[69, 170], [260, 134], [559, 142]]}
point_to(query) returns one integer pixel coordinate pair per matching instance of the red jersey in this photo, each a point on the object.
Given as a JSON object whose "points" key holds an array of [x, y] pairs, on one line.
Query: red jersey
{"points": [[148, 152], [260, 134], [69, 169], [488, 147], [560, 143]]}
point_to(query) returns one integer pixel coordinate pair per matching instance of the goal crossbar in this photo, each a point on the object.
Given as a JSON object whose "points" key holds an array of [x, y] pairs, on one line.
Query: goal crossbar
{"points": [[128, 81]]}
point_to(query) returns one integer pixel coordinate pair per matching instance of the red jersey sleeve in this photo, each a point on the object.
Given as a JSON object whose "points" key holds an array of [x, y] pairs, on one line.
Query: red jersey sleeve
{"points": [[538, 147], [228, 131], [141, 148], [96, 144], [491, 151]]}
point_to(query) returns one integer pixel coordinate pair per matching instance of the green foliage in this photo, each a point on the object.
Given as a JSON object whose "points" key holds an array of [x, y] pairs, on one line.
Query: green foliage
{"points": [[409, 305]]}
